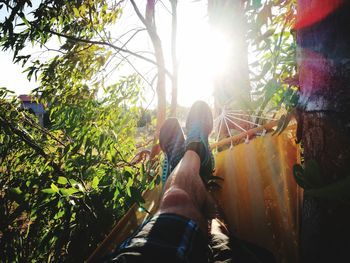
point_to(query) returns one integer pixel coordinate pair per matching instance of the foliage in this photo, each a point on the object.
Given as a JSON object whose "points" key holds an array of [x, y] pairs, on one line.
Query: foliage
{"points": [[271, 38], [63, 188], [310, 178], [145, 119]]}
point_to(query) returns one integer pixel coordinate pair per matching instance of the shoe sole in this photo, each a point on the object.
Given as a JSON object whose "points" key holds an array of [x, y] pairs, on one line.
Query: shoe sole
{"points": [[200, 111], [168, 132]]}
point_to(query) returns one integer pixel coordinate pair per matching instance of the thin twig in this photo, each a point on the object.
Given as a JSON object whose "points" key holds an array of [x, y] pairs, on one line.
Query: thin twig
{"points": [[102, 43]]}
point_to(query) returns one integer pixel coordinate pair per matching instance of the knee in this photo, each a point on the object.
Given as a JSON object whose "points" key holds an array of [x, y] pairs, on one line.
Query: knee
{"points": [[175, 197], [178, 201]]}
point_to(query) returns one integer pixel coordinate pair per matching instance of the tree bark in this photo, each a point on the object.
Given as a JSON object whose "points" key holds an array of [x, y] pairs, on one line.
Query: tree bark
{"points": [[324, 122]]}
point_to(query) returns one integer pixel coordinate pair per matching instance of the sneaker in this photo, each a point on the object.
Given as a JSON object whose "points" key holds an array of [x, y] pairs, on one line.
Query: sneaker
{"points": [[172, 143], [199, 125]]}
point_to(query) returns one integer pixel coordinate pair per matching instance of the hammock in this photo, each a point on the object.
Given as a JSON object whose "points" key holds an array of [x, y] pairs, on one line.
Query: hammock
{"points": [[259, 197]]}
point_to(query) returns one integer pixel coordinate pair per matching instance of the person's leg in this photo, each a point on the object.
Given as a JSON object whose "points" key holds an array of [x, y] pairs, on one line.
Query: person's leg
{"points": [[185, 193], [177, 233]]}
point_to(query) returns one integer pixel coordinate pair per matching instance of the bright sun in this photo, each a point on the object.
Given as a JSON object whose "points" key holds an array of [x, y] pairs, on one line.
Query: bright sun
{"points": [[202, 57]]}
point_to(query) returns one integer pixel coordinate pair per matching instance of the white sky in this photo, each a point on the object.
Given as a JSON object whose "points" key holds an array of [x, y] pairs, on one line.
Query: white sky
{"points": [[12, 76], [197, 64]]}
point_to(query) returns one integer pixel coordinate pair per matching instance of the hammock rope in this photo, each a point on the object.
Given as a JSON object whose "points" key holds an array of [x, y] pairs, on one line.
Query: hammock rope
{"points": [[229, 116]]}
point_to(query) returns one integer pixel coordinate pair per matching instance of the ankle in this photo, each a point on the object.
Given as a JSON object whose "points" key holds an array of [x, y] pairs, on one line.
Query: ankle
{"points": [[199, 149]]}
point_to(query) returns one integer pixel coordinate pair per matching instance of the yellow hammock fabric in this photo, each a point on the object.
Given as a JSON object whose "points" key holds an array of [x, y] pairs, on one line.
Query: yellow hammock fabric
{"points": [[259, 197]]}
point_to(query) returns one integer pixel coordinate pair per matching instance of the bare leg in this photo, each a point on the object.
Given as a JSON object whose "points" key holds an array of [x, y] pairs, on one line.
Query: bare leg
{"points": [[185, 193]]}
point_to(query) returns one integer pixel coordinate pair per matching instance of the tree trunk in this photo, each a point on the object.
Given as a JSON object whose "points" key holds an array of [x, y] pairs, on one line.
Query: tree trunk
{"points": [[232, 87], [324, 65], [161, 109], [149, 21], [174, 79]]}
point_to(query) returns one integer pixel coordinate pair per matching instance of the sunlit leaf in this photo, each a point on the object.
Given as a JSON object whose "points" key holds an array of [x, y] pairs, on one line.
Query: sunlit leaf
{"points": [[54, 188], [16, 190], [69, 191], [62, 180], [95, 182], [76, 12], [48, 191]]}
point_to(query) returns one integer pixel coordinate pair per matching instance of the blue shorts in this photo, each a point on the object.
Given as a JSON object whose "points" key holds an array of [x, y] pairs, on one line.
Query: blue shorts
{"points": [[165, 238]]}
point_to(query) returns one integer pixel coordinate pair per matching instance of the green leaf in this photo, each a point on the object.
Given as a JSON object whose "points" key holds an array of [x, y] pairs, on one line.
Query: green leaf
{"points": [[95, 182], [76, 12], [270, 89], [69, 191], [101, 140], [72, 182], [82, 9], [25, 21], [48, 191], [62, 180], [298, 172], [59, 214], [128, 172], [54, 188], [116, 194], [128, 185], [16, 190]]}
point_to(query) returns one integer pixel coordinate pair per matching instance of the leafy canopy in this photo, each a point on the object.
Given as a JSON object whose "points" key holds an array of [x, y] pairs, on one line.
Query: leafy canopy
{"points": [[62, 187]]}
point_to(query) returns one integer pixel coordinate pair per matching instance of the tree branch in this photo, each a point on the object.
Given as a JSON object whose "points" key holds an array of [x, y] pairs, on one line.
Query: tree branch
{"points": [[119, 49], [31, 144], [138, 13], [103, 44]]}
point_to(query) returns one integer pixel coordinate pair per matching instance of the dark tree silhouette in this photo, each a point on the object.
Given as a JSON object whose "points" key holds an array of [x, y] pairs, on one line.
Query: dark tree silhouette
{"points": [[324, 127]]}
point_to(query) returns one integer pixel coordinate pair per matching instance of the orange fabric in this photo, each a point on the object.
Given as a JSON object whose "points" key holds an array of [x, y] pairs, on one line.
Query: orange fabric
{"points": [[259, 196]]}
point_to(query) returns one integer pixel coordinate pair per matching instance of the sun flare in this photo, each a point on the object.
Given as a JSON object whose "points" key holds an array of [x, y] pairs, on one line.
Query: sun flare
{"points": [[203, 57]]}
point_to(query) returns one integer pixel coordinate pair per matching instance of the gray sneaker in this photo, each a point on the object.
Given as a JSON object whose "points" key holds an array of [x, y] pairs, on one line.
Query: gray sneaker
{"points": [[172, 143], [199, 125]]}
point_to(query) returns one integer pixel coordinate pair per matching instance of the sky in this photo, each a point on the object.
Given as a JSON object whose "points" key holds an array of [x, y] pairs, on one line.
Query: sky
{"points": [[197, 64], [12, 76]]}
